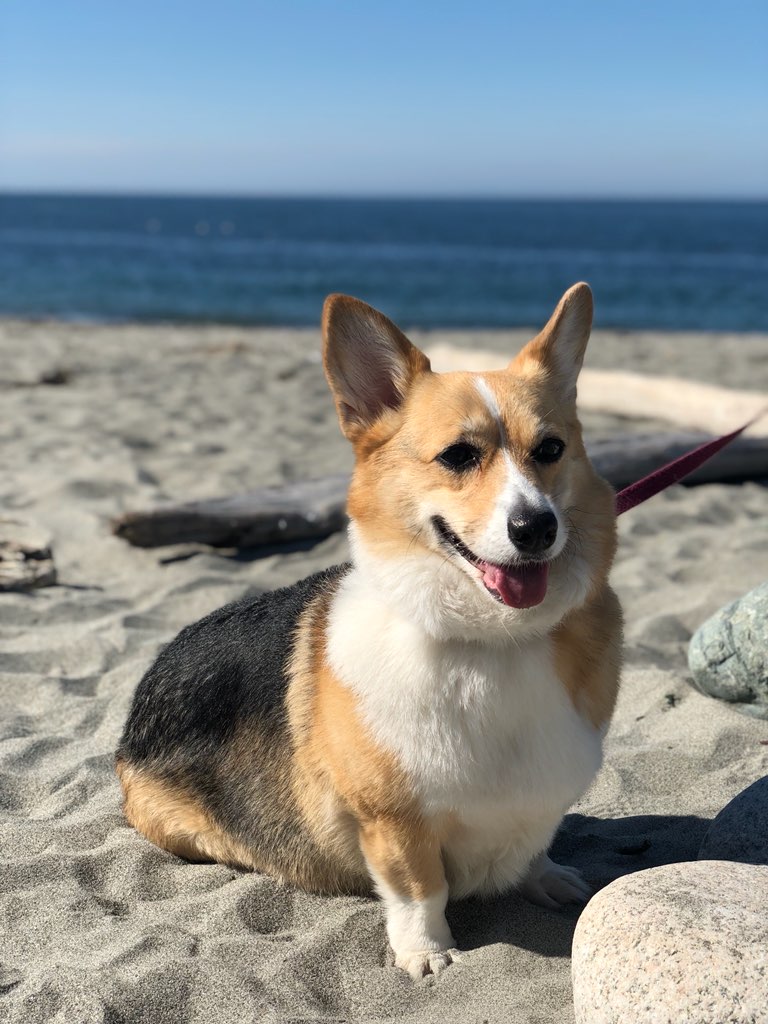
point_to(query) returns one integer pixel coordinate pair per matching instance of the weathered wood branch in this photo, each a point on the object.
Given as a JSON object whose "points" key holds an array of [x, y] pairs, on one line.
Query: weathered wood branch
{"points": [[625, 458], [315, 508], [687, 404], [26, 560], [270, 515]]}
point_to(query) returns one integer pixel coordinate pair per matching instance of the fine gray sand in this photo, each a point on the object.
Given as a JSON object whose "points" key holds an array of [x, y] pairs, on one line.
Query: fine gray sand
{"points": [[97, 924]]}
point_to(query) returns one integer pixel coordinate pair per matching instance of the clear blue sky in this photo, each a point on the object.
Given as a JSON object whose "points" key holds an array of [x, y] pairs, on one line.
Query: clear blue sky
{"points": [[590, 98]]}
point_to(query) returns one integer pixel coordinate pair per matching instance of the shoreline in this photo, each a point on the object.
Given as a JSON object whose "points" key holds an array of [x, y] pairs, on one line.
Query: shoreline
{"points": [[85, 320], [726, 358]]}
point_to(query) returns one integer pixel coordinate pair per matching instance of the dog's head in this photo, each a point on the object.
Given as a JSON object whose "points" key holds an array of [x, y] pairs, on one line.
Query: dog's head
{"points": [[473, 504]]}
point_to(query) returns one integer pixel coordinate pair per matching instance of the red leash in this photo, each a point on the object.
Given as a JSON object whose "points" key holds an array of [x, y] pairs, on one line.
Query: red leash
{"points": [[674, 471]]}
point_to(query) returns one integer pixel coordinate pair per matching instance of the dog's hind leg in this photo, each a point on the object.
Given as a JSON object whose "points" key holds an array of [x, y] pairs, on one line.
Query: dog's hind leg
{"points": [[553, 885], [175, 821]]}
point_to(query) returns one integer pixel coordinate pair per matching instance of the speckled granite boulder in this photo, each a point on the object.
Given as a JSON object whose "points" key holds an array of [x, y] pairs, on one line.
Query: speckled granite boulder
{"points": [[679, 944], [728, 654], [740, 831]]}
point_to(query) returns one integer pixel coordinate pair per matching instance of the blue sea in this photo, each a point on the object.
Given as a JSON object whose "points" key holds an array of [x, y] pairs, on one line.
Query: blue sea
{"points": [[427, 263]]}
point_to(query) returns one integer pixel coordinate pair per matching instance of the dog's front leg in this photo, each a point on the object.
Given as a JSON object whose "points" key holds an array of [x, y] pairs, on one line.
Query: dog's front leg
{"points": [[406, 866]]}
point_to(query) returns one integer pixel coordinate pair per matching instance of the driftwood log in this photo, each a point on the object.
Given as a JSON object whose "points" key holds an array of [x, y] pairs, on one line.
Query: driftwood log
{"points": [[623, 459], [686, 404], [270, 515], [315, 508], [26, 560]]}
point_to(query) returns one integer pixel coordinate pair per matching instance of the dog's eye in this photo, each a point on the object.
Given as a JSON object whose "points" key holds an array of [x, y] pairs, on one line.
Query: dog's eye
{"points": [[460, 457], [550, 450]]}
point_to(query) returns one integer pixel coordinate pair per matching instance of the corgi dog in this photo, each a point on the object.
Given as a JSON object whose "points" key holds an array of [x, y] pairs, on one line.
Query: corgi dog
{"points": [[414, 723]]}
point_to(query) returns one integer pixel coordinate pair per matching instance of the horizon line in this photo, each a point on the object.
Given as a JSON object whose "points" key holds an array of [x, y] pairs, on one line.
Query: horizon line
{"points": [[108, 193]]}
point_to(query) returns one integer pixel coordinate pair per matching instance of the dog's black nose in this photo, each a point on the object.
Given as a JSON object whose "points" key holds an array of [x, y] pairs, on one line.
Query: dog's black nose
{"points": [[532, 533]]}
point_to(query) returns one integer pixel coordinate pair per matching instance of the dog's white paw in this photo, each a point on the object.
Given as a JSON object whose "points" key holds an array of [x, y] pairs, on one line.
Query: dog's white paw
{"points": [[426, 961], [553, 885]]}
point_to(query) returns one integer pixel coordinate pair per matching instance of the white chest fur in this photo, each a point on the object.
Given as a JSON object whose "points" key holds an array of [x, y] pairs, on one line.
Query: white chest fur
{"points": [[487, 734]]}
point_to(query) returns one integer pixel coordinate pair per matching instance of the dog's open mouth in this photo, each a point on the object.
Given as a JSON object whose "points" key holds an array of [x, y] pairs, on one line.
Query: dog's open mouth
{"points": [[519, 584]]}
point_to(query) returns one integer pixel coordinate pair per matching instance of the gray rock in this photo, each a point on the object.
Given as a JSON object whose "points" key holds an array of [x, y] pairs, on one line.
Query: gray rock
{"points": [[740, 831], [678, 944], [728, 654]]}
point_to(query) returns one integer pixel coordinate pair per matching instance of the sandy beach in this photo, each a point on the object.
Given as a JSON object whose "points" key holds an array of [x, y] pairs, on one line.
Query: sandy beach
{"points": [[100, 926]]}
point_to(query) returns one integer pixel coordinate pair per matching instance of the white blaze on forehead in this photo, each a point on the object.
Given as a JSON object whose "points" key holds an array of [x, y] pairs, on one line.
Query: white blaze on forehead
{"points": [[518, 493], [487, 395], [517, 486]]}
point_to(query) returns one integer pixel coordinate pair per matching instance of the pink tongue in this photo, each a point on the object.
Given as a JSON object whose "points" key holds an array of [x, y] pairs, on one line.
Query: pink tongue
{"points": [[521, 586]]}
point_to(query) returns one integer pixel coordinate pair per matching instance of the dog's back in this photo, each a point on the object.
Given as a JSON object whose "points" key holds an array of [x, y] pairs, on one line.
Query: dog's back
{"points": [[206, 757]]}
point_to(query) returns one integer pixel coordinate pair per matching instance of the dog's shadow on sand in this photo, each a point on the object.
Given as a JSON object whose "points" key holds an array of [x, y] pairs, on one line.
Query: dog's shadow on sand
{"points": [[603, 849]]}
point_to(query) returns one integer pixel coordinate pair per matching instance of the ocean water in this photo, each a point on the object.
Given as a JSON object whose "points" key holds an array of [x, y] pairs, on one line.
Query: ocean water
{"points": [[491, 263]]}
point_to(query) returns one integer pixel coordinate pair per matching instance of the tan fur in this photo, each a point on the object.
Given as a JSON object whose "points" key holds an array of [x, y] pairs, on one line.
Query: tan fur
{"points": [[174, 820], [406, 854], [358, 328], [351, 791], [588, 656], [573, 313]]}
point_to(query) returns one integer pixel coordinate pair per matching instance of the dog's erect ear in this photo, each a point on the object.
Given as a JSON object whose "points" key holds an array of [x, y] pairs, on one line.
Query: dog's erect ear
{"points": [[369, 363], [560, 347]]}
